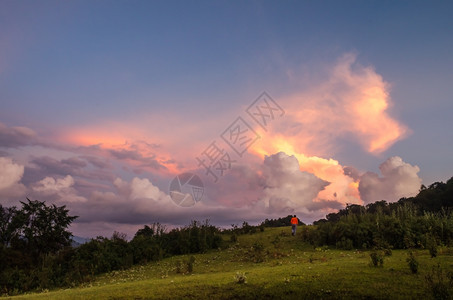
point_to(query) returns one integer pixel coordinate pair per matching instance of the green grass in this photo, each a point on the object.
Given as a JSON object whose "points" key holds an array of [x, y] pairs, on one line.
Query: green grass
{"points": [[291, 268]]}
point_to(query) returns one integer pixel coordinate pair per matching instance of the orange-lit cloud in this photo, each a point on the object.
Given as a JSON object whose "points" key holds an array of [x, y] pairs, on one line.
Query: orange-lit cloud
{"points": [[124, 142], [342, 188], [352, 105], [104, 135], [172, 140]]}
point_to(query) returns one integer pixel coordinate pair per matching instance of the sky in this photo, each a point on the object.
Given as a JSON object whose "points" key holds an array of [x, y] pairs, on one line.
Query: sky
{"points": [[276, 107]]}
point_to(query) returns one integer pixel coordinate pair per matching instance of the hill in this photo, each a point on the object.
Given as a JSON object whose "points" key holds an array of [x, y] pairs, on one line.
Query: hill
{"points": [[271, 264]]}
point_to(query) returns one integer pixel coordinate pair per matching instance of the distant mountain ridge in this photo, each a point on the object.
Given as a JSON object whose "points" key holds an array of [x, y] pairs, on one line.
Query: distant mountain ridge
{"points": [[77, 241]]}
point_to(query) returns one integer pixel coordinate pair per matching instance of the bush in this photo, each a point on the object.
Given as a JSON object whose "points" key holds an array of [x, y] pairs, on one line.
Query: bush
{"points": [[178, 267], [258, 252], [240, 277], [412, 262], [377, 259], [276, 242], [190, 263], [234, 238], [431, 244], [439, 283], [345, 244], [388, 252]]}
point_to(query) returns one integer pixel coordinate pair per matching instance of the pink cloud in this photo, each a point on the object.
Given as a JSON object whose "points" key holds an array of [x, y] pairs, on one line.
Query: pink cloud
{"points": [[399, 179]]}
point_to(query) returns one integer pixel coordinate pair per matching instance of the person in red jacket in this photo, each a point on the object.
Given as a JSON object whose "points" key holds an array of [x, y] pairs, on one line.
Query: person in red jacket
{"points": [[294, 223]]}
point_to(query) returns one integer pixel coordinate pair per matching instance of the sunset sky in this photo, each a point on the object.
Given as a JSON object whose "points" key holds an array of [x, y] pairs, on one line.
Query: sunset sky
{"points": [[103, 103]]}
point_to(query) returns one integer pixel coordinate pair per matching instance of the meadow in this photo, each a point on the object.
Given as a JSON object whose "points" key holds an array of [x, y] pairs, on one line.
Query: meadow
{"points": [[273, 265]]}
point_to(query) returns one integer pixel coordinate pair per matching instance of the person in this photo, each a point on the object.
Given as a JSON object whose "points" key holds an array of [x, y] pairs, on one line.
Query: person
{"points": [[294, 222]]}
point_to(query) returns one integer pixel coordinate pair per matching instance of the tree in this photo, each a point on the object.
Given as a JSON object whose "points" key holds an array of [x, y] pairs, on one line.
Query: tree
{"points": [[43, 228], [10, 225]]}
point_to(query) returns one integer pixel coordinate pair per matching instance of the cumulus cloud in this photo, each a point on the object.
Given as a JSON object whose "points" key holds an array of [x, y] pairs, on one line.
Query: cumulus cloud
{"points": [[10, 176], [287, 188], [399, 179], [285, 184], [241, 187], [139, 189], [351, 104], [52, 185], [60, 190], [10, 173], [139, 201]]}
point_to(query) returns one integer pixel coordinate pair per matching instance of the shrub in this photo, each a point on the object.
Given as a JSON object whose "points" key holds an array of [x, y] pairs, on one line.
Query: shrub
{"points": [[234, 238], [178, 267], [439, 283], [190, 263], [276, 242], [258, 252], [388, 252], [412, 262], [431, 244], [377, 259], [345, 244], [240, 277]]}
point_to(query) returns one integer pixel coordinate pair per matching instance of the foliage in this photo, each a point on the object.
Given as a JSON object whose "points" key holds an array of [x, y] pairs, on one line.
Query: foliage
{"points": [[190, 263], [440, 283], [333, 274], [377, 258], [240, 277], [257, 252], [431, 244], [35, 250], [412, 262], [34, 246], [423, 221]]}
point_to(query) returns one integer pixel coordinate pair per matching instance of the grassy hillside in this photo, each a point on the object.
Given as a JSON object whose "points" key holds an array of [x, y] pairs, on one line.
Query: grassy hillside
{"points": [[273, 265]]}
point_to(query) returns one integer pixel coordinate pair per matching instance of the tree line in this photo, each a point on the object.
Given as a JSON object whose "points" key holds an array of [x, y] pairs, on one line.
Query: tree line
{"points": [[36, 251], [423, 221]]}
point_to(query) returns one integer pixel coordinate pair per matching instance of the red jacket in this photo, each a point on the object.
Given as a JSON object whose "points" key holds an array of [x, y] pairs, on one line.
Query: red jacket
{"points": [[294, 221]]}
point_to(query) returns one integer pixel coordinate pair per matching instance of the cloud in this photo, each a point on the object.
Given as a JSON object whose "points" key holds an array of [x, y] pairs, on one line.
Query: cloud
{"points": [[49, 165], [76, 166], [13, 137], [399, 179], [59, 190], [284, 184], [135, 202], [351, 105], [10, 177], [98, 162], [288, 189], [139, 189], [10, 173], [240, 187], [51, 185], [137, 158]]}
